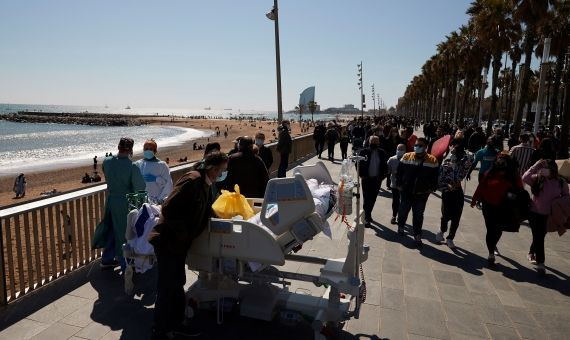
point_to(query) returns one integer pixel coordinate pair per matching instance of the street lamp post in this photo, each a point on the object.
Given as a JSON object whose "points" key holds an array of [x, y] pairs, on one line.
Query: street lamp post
{"points": [[374, 101], [361, 87], [274, 15]]}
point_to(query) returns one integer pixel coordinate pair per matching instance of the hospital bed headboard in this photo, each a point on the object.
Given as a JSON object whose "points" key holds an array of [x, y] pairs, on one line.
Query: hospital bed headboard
{"points": [[318, 171]]}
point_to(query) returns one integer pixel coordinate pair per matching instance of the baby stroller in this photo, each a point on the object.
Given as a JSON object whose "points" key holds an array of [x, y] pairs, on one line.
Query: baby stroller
{"points": [[138, 252]]}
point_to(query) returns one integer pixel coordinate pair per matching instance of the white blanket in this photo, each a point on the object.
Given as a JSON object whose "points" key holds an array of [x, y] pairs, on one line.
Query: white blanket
{"points": [[146, 219]]}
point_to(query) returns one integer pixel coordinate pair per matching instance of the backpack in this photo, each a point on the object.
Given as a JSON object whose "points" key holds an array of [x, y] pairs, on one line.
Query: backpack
{"points": [[515, 209]]}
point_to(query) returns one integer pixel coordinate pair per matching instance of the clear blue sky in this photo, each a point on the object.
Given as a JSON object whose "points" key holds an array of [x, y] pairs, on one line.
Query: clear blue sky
{"points": [[219, 53]]}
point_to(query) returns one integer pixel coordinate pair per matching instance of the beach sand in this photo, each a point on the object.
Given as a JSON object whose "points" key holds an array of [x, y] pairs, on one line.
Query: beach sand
{"points": [[70, 178]]}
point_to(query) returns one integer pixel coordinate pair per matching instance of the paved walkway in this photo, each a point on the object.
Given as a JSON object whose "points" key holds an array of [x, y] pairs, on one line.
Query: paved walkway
{"points": [[434, 293]]}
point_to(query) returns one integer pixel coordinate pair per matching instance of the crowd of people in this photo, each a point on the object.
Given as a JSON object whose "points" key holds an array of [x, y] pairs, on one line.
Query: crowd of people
{"points": [[390, 150]]}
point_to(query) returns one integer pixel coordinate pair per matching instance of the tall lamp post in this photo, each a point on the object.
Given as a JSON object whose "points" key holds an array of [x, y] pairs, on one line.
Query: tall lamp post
{"points": [[274, 15], [361, 88], [374, 101]]}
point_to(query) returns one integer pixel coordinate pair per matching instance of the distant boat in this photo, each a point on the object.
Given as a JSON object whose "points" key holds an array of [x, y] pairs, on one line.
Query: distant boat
{"points": [[106, 106], [207, 108], [127, 108], [228, 109]]}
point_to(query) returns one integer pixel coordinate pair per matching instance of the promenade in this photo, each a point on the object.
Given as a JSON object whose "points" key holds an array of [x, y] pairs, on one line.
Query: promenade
{"points": [[432, 293]]}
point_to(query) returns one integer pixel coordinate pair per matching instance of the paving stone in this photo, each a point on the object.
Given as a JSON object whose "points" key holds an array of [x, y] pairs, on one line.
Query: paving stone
{"points": [[498, 281], [391, 266], [59, 309], [454, 293], [372, 268], [113, 335], [412, 336], [94, 331], [392, 324], [420, 286], [479, 284], [23, 329], [392, 298], [57, 331], [425, 317], [532, 332], [485, 299], [519, 315], [368, 323], [86, 291], [373, 292], [502, 332], [553, 321], [392, 281], [459, 336], [448, 277], [510, 298], [494, 315], [463, 319]]}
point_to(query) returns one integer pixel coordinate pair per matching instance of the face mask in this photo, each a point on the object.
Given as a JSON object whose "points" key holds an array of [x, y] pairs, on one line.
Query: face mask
{"points": [[148, 154], [259, 142], [544, 172], [400, 153], [419, 149], [222, 176]]}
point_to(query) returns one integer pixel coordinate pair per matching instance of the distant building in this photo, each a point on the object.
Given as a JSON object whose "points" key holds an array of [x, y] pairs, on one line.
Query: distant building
{"points": [[348, 108]]}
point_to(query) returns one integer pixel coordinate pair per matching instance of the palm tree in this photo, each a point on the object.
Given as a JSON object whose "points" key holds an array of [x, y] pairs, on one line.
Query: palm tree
{"points": [[533, 14], [564, 130], [299, 108], [312, 108], [493, 25]]}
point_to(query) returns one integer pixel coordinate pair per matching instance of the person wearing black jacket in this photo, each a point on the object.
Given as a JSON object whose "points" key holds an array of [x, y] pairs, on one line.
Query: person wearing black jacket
{"points": [[247, 170], [264, 153], [184, 216], [477, 140], [319, 138], [372, 171], [331, 136]]}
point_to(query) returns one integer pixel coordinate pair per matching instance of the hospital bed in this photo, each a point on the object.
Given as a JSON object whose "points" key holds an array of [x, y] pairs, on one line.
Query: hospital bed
{"points": [[222, 252]]}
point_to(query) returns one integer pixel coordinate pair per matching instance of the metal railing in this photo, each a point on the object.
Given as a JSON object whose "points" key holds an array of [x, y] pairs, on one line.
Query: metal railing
{"points": [[46, 239]]}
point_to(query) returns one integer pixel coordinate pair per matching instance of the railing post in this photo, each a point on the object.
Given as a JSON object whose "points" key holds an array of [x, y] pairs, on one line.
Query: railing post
{"points": [[3, 291]]}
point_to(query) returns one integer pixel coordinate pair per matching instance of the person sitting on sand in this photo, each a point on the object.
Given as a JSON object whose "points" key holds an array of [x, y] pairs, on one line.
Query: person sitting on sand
{"points": [[86, 178], [155, 173], [96, 177]]}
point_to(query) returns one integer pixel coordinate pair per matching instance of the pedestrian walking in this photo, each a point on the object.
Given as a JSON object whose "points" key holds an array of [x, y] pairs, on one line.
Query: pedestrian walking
{"points": [[20, 186], [486, 156], [184, 216], [371, 170], [476, 140], [247, 170], [453, 170], [417, 178], [284, 147], [491, 191], [95, 163], [546, 186], [344, 141], [123, 177], [319, 138], [393, 163], [331, 137], [522, 153]]}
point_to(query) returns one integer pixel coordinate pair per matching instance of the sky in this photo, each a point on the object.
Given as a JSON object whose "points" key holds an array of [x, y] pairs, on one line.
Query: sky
{"points": [[217, 53]]}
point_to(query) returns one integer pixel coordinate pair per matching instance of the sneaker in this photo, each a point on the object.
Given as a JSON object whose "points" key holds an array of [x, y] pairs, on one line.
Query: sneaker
{"points": [[496, 252], [393, 220], [439, 237], [450, 244], [491, 260], [531, 258], [540, 269], [418, 241], [111, 264]]}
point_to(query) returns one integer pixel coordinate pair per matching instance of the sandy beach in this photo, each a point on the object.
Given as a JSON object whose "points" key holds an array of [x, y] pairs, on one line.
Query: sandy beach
{"points": [[70, 178]]}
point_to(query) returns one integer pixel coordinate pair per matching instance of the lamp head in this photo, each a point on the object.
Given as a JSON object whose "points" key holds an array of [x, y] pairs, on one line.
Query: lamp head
{"points": [[271, 14]]}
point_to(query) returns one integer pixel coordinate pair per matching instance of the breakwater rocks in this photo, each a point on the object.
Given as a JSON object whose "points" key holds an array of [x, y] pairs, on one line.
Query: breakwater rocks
{"points": [[84, 118]]}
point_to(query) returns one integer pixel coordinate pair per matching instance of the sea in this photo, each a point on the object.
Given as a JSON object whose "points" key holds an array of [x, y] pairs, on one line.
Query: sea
{"points": [[26, 147]]}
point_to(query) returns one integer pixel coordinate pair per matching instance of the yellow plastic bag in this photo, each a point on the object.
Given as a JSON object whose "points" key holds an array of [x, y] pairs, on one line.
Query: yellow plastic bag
{"points": [[231, 204]]}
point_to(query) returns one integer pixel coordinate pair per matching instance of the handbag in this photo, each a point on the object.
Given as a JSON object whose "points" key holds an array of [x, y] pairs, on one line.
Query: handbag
{"points": [[515, 207]]}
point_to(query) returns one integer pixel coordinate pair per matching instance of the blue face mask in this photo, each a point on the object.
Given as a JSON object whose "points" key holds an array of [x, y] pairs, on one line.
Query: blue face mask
{"points": [[148, 154], [222, 177], [400, 153], [418, 149]]}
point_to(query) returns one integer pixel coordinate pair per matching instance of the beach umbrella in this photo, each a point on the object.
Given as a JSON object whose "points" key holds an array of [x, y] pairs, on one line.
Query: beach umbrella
{"points": [[564, 168]]}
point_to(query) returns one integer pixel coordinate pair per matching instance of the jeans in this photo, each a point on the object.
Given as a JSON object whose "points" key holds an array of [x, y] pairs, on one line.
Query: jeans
{"points": [[491, 215], [108, 255], [170, 298], [395, 202], [283, 165], [370, 188], [330, 149], [451, 210], [538, 227], [319, 147], [417, 203]]}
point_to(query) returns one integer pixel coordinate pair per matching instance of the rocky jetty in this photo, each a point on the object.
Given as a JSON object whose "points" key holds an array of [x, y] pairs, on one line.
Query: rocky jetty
{"points": [[84, 118]]}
